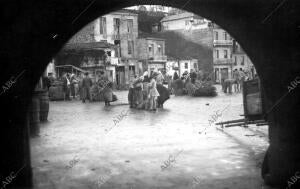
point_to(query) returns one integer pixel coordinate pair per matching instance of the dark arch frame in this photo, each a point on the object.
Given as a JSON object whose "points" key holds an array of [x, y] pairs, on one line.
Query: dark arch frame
{"points": [[272, 43]]}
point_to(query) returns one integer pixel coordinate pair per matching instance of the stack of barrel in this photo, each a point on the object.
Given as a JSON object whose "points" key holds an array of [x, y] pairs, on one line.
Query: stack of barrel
{"points": [[56, 91], [38, 111]]}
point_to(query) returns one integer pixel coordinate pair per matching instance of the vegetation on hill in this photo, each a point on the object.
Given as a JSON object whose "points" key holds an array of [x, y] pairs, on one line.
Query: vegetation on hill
{"points": [[179, 48]]}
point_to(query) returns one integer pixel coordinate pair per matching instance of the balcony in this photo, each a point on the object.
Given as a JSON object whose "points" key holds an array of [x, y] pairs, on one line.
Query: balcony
{"points": [[116, 36], [222, 42], [91, 65], [158, 58], [123, 36], [113, 60], [223, 61]]}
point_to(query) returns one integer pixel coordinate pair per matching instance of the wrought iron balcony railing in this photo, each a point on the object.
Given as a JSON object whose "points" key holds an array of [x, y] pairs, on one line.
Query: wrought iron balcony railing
{"points": [[222, 42], [228, 61]]}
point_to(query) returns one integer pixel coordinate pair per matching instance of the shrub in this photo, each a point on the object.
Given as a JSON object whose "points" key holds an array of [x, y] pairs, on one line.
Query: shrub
{"points": [[201, 88]]}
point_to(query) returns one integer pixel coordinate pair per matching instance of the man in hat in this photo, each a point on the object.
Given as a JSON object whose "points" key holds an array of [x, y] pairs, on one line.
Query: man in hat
{"points": [[86, 84]]}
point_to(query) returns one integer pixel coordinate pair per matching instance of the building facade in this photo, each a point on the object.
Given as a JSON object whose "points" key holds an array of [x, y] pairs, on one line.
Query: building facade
{"points": [[120, 28], [151, 54], [196, 31], [242, 61], [228, 55], [185, 20], [222, 54], [187, 66]]}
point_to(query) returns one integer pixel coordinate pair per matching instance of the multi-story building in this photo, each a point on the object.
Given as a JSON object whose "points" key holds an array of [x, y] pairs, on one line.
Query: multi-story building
{"points": [[185, 20], [83, 53], [222, 54], [120, 28], [228, 56], [196, 31], [241, 60], [151, 54], [187, 66], [181, 66]]}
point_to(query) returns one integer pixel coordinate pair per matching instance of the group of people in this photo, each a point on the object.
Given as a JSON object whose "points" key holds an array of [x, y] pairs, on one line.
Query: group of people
{"points": [[70, 86], [147, 92], [75, 86], [178, 85], [238, 78], [193, 75]]}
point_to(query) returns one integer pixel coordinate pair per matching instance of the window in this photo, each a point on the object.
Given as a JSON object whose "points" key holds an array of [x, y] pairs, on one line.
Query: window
{"points": [[103, 25], [129, 25], [225, 54], [243, 60], [150, 48], [130, 47], [235, 61], [159, 49], [225, 36], [216, 35], [195, 65], [117, 25], [186, 65], [217, 53]]}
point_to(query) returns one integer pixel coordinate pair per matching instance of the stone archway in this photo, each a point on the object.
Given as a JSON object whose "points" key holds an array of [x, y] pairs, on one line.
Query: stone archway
{"points": [[268, 32]]}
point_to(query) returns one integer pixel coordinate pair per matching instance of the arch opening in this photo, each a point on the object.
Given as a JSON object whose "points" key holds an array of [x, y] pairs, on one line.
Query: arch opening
{"points": [[106, 55]]}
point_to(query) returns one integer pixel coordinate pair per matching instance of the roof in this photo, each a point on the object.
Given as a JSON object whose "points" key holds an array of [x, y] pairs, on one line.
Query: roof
{"points": [[72, 66], [88, 46], [179, 16], [124, 11], [144, 35]]}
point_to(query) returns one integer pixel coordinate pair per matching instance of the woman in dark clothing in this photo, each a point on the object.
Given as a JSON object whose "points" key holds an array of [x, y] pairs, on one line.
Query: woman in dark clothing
{"points": [[164, 95], [175, 76], [107, 92], [86, 84]]}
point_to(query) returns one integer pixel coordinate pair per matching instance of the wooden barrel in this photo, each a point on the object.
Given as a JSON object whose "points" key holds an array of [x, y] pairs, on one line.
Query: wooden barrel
{"points": [[44, 105], [34, 116], [56, 92]]}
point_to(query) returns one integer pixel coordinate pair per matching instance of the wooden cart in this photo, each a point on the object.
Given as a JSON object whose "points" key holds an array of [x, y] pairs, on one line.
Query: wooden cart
{"points": [[254, 111]]}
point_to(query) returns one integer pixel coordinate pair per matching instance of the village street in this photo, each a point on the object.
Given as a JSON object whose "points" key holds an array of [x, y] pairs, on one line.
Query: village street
{"points": [[130, 152]]}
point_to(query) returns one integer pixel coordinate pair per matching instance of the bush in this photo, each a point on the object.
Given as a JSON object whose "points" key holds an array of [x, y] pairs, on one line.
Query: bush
{"points": [[201, 88]]}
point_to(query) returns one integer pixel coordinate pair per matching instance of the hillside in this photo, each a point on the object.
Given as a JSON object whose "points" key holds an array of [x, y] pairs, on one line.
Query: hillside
{"points": [[180, 48]]}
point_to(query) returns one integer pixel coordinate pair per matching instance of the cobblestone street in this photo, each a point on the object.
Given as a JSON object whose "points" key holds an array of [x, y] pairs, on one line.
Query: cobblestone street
{"points": [[129, 153]]}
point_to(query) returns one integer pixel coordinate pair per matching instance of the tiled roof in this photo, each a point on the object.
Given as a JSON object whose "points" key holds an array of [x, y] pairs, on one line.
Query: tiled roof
{"points": [[179, 16]]}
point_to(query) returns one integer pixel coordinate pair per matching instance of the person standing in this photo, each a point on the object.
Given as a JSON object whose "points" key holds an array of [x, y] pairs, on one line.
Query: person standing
{"points": [[106, 88], [153, 93], [175, 76], [242, 78], [66, 86], [80, 90], [159, 78], [236, 77], [131, 94], [228, 85], [73, 81], [193, 76], [86, 84], [107, 92]]}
